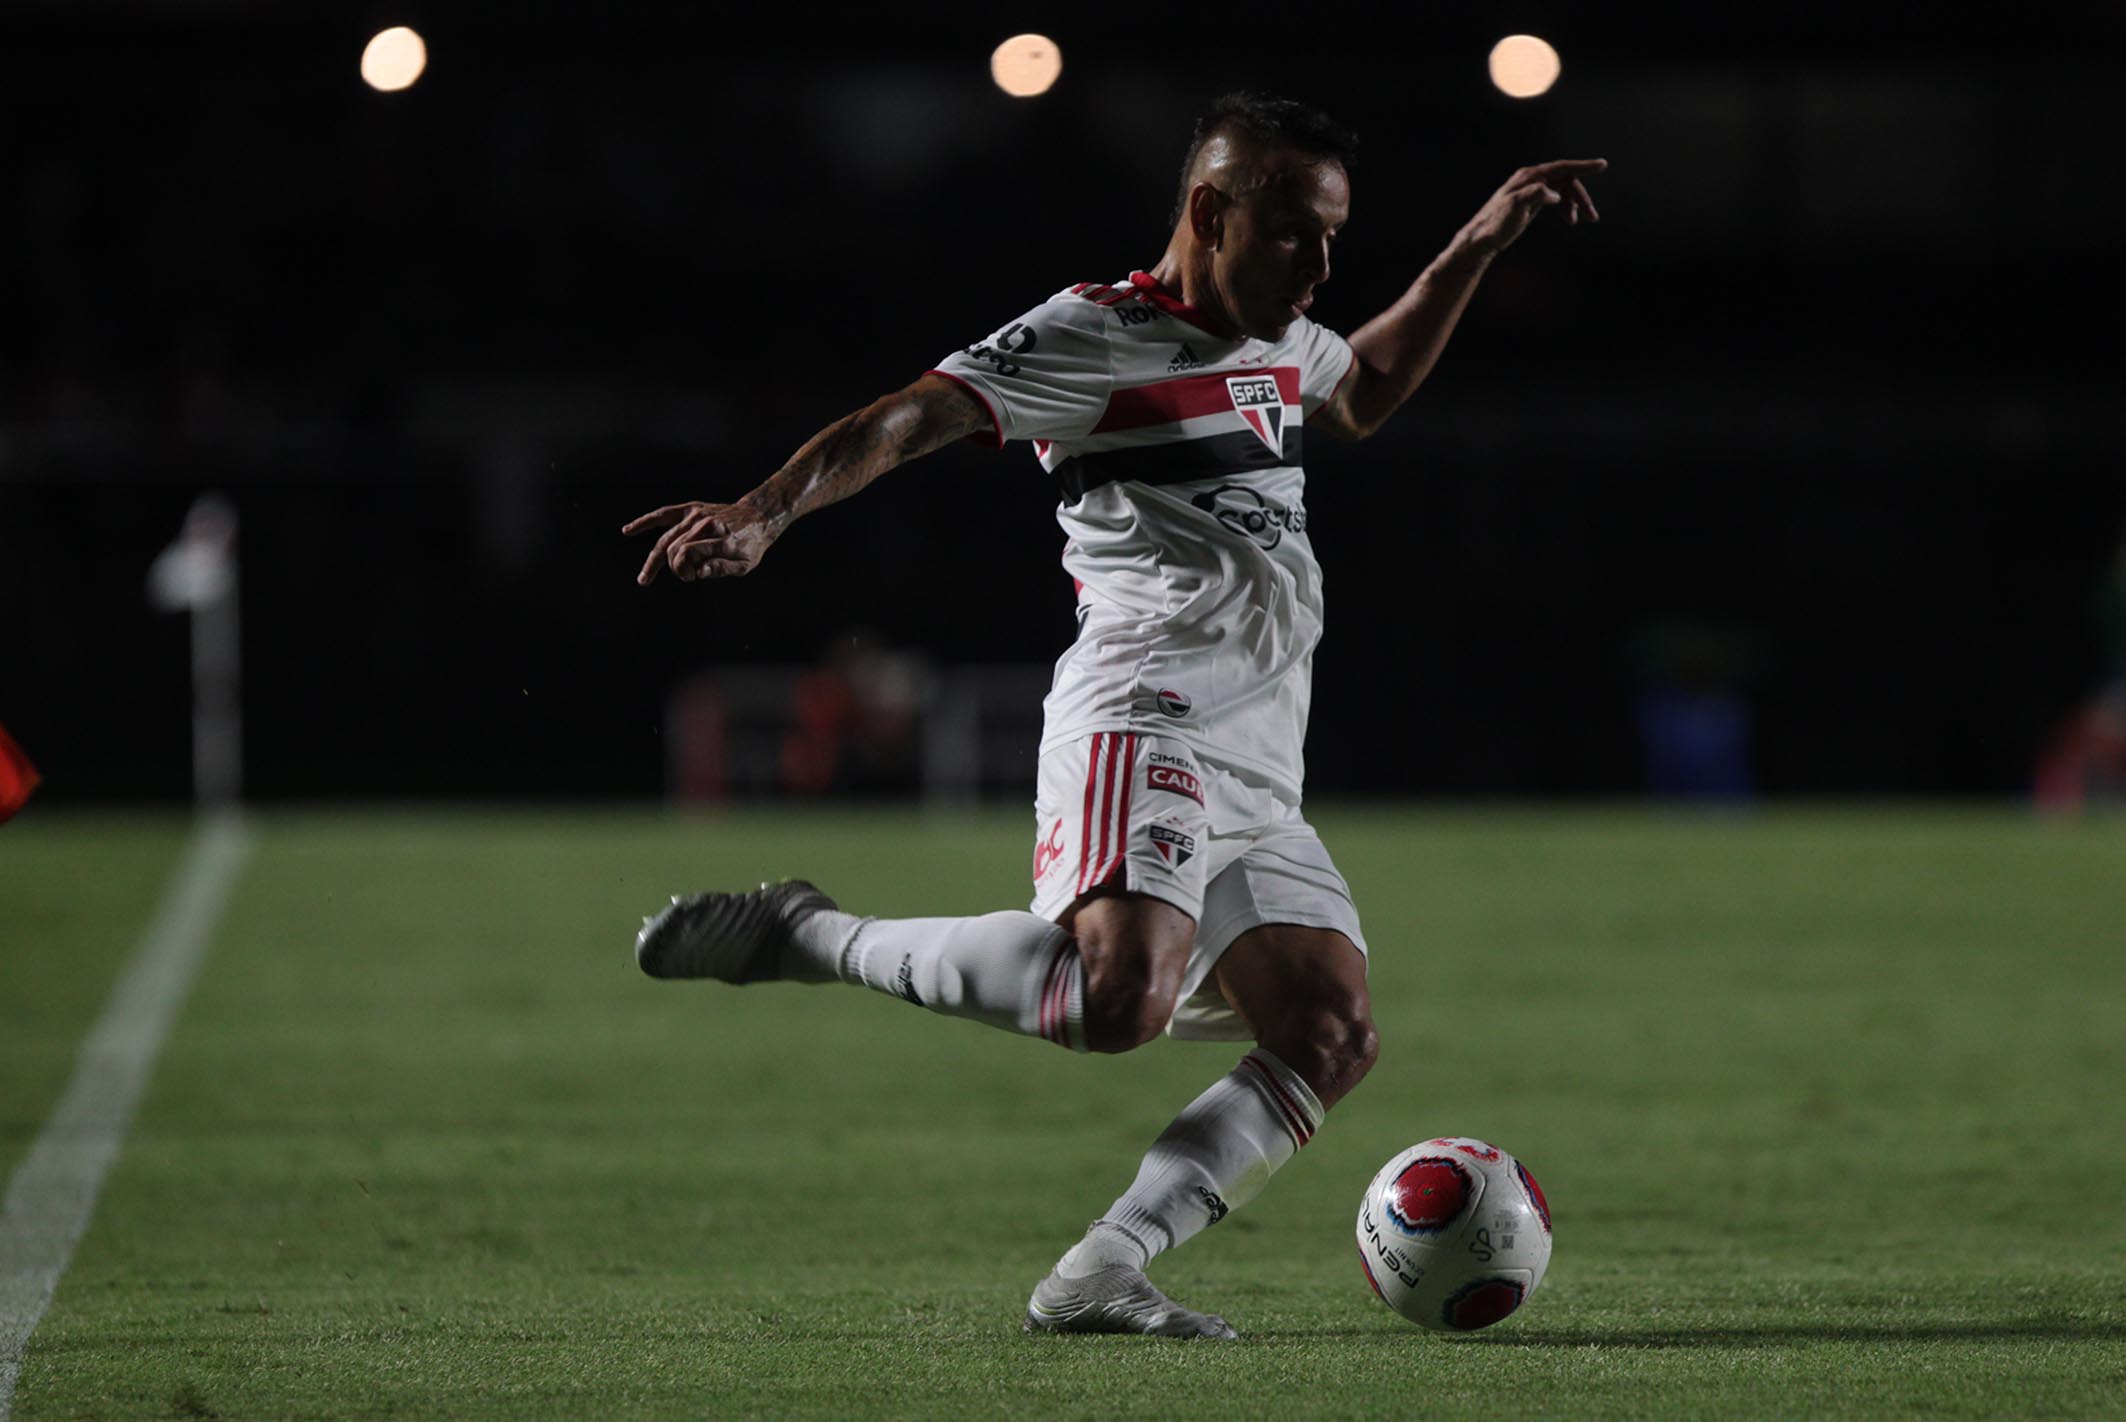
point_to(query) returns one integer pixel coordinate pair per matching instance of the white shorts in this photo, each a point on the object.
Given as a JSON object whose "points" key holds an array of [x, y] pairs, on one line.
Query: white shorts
{"points": [[1150, 815]]}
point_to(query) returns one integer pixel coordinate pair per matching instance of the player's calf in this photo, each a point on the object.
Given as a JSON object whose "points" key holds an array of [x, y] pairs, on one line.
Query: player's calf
{"points": [[1303, 992]]}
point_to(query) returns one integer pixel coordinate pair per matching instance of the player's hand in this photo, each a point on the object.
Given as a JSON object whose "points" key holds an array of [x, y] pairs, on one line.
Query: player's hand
{"points": [[704, 540], [1524, 196]]}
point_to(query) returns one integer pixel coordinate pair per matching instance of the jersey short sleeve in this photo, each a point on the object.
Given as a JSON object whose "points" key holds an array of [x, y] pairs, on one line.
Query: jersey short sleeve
{"points": [[1045, 376], [1325, 358]]}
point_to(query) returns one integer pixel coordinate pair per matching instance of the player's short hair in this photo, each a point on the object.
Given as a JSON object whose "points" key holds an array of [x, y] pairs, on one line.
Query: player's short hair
{"points": [[1270, 122]]}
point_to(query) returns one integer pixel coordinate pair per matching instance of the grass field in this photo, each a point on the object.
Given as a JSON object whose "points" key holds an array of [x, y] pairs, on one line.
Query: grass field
{"points": [[1826, 1106]]}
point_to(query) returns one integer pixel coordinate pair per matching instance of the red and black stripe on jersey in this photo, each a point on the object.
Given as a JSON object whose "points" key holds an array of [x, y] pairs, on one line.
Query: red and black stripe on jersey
{"points": [[1165, 402], [1167, 457], [1176, 461]]}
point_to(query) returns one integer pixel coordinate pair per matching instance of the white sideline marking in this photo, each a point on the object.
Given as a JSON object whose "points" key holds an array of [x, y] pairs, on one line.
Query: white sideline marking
{"points": [[54, 1190]]}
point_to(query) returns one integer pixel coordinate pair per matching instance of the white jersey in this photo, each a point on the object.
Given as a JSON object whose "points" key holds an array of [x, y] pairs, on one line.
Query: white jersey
{"points": [[1178, 453]]}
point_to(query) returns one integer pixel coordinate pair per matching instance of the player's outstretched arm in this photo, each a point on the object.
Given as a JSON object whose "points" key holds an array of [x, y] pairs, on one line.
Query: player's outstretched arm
{"points": [[1397, 349], [709, 540]]}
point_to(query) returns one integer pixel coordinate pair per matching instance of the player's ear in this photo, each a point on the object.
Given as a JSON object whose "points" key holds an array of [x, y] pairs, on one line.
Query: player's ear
{"points": [[1206, 214]]}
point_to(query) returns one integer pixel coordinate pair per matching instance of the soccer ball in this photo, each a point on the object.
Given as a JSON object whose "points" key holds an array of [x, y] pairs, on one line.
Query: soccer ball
{"points": [[1454, 1234]]}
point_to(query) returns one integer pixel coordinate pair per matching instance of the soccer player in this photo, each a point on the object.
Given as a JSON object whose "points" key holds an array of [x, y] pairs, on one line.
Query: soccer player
{"points": [[1177, 886]]}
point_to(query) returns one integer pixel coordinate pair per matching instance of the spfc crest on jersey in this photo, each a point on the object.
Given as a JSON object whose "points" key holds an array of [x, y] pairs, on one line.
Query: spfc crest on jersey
{"points": [[1257, 399]]}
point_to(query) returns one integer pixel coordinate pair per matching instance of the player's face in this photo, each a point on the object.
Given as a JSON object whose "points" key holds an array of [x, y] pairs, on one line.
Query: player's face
{"points": [[1276, 244]]}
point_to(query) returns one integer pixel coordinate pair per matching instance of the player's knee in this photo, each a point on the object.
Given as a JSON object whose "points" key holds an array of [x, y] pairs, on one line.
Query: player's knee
{"points": [[1332, 1045], [1358, 1049], [1125, 1008]]}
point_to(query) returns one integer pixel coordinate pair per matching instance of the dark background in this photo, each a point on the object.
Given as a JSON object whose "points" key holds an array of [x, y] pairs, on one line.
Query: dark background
{"points": [[1822, 421]]}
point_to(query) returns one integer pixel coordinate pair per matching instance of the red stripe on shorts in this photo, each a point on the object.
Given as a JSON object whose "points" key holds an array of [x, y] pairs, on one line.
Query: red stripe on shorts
{"points": [[1085, 835], [1107, 810], [1114, 862]]}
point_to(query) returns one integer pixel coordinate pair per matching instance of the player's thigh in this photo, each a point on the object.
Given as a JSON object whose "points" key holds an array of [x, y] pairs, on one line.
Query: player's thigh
{"points": [[1118, 834], [1279, 973], [1302, 990], [1279, 953]]}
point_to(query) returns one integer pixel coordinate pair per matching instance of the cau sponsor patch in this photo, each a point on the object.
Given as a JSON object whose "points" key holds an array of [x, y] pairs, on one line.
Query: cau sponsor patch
{"points": [[1180, 782], [1176, 847]]}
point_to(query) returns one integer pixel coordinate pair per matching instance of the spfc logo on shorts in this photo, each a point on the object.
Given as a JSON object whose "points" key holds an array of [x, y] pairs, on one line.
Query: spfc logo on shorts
{"points": [[1257, 400], [1175, 847]]}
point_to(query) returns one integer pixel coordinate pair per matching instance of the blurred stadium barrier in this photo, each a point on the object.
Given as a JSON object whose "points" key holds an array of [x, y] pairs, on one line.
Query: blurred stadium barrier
{"points": [[866, 722]]}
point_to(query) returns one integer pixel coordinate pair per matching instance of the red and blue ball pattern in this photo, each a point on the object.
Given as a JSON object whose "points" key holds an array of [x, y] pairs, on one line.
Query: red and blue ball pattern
{"points": [[1429, 1195], [1535, 1194], [1481, 1303]]}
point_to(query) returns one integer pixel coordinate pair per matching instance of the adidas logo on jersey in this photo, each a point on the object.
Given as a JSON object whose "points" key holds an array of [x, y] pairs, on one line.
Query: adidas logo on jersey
{"points": [[1184, 359]]}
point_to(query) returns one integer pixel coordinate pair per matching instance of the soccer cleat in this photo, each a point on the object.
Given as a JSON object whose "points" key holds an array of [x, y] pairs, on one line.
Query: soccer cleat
{"points": [[738, 938], [1118, 1299]]}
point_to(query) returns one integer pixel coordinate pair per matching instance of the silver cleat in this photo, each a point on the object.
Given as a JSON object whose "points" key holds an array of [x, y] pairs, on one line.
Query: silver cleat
{"points": [[1115, 1300], [736, 938]]}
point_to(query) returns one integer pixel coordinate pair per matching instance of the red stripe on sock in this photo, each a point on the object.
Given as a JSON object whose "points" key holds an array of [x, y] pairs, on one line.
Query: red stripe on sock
{"points": [[1066, 963], [1287, 1099], [1295, 1120], [1040, 1024], [1048, 998]]}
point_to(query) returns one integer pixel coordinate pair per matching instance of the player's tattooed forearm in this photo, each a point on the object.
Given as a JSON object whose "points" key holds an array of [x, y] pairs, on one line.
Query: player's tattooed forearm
{"points": [[847, 455]]}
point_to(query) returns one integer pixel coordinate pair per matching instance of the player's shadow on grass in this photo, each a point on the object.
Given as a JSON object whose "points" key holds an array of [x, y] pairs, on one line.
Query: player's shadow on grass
{"points": [[1773, 1335], [1779, 1334]]}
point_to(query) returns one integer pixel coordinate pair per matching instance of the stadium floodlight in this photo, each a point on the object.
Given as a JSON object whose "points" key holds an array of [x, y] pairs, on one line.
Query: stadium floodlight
{"points": [[1524, 66], [1026, 65], [393, 59], [197, 574]]}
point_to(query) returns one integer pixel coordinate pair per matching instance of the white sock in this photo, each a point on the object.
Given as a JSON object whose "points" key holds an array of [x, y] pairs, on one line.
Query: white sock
{"points": [[1215, 1157], [1017, 971]]}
